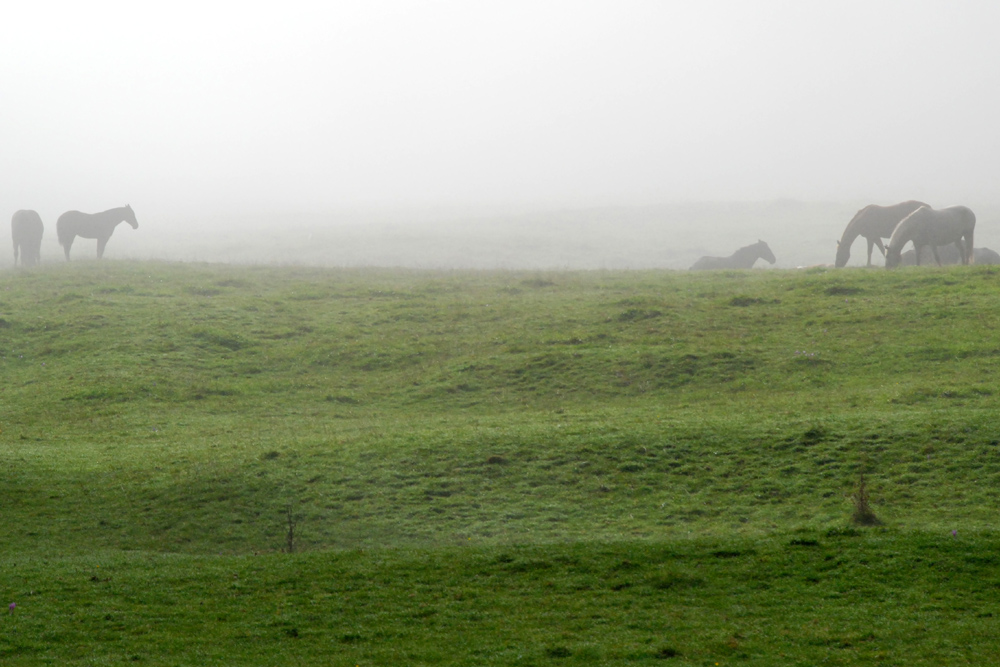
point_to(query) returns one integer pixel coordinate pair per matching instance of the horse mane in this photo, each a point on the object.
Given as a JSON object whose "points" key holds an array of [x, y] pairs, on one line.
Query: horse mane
{"points": [[906, 223]]}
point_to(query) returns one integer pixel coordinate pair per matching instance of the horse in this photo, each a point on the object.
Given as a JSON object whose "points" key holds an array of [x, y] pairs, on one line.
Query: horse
{"points": [[950, 254], [875, 223], [26, 230], [985, 256], [92, 226], [743, 258], [930, 227]]}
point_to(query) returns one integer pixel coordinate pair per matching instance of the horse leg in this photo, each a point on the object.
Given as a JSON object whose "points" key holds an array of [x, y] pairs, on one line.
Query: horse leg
{"points": [[969, 254], [101, 242], [871, 244], [963, 256], [878, 242], [67, 246], [15, 253], [935, 253]]}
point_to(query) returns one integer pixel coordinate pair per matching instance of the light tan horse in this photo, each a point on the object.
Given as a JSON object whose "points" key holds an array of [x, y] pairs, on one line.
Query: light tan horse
{"points": [[927, 227], [875, 223]]}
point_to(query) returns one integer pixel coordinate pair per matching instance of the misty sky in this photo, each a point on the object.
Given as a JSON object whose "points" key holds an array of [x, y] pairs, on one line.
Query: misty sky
{"points": [[226, 106]]}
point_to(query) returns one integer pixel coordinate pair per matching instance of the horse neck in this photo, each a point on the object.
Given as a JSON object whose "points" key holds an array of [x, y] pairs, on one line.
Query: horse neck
{"points": [[854, 228], [904, 232], [747, 256], [870, 221], [114, 214], [112, 217]]}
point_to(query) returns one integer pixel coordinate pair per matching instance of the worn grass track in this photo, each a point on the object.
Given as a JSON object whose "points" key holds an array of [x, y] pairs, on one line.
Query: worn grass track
{"points": [[177, 417]]}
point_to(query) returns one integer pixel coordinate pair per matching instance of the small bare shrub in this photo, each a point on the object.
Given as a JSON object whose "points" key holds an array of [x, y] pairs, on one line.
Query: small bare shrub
{"points": [[293, 521], [863, 514]]}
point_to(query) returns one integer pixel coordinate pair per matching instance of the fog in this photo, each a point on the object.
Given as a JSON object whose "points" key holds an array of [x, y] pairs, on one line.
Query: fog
{"points": [[516, 134]]}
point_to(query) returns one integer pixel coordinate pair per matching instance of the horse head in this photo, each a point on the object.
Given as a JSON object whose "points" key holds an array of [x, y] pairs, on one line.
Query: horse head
{"points": [[843, 254], [893, 256], [130, 216], [765, 252]]}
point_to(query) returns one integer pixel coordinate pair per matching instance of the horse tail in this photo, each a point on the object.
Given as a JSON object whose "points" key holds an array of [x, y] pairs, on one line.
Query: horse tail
{"points": [[62, 233], [969, 252]]}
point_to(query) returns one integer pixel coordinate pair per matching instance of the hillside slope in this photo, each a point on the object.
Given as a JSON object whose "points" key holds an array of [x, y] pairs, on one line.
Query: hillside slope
{"points": [[195, 408], [249, 465]]}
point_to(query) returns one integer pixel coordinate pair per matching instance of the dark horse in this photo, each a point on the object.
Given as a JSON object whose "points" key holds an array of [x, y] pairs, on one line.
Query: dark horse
{"points": [[743, 258], [92, 226], [26, 229]]}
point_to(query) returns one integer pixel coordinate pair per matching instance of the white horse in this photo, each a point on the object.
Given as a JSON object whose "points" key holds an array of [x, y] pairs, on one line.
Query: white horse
{"points": [[875, 223], [927, 227], [743, 258], [92, 226]]}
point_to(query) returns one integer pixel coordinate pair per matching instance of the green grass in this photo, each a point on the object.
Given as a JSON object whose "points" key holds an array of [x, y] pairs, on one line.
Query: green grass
{"points": [[475, 455], [839, 597]]}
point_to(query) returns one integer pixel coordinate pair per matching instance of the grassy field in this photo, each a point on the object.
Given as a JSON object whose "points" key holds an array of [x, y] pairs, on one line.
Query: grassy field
{"points": [[211, 464]]}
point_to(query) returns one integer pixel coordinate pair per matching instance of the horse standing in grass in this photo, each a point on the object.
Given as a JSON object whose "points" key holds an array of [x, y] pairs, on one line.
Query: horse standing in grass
{"points": [[743, 258], [929, 227], [92, 226], [875, 223], [26, 230]]}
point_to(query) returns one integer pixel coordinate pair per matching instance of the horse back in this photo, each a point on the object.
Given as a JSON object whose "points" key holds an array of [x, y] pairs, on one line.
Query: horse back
{"points": [[935, 227], [69, 217], [707, 263], [26, 229], [964, 215], [26, 221], [986, 256], [874, 220]]}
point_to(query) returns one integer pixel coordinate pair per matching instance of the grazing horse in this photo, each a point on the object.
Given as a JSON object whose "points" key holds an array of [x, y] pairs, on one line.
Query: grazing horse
{"points": [[929, 227], [26, 230], [875, 223], [743, 258], [92, 226]]}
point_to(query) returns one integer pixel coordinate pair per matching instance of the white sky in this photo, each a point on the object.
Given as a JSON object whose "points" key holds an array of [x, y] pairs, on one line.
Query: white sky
{"points": [[238, 106]]}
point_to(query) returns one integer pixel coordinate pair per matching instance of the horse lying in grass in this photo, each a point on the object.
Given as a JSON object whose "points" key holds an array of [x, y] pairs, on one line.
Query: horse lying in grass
{"points": [[875, 223], [26, 230], [92, 226], [934, 228], [743, 258], [950, 254]]}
